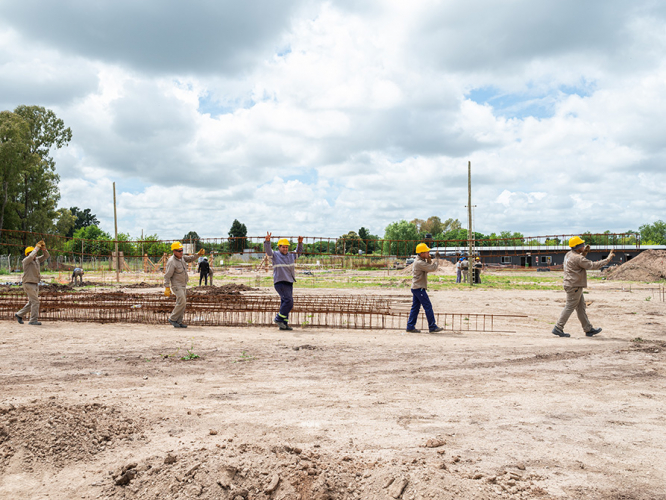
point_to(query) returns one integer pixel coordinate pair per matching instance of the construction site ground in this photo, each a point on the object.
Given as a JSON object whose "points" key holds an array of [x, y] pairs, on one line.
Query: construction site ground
{"points": [[93, 410]]}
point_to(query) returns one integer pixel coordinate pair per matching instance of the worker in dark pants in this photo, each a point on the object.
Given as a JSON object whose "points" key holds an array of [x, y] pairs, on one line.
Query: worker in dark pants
{"points": [[204, 271], [420, 269], [77, 274], [477, 270], [284, 276]]}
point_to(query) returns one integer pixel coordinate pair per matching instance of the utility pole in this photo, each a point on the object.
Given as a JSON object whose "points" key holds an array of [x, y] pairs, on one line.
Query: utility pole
{"points": [[470, 235], [115, 222]]}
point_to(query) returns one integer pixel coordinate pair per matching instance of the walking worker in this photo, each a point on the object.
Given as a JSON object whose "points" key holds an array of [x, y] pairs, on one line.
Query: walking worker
{"points": [[204, 270], [420, 269], [284, 276], [31, 279], [175, 280], [575, 280], [77, 273], [459, 270]]}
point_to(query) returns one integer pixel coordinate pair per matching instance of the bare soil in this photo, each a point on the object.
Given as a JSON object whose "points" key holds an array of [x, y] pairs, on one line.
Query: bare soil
{"points": [[112, 411], [647, 266]]}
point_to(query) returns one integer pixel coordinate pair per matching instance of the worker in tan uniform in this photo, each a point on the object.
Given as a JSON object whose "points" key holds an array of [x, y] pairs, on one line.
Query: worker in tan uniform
{"points": [[576, 266], [175, 281], [31, 279], [422, 265]]}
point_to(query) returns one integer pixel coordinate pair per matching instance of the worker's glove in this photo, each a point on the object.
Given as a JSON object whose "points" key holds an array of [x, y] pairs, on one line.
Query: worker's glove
{"points": [[40, 244], [201, 252], [586, 250], [167, 292]]}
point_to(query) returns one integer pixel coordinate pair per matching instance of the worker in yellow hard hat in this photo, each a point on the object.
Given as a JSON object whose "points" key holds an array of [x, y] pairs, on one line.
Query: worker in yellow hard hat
{"points": [[30, 282], [284, 276], [476, 268], [175, 281], [576, 266], [422, 265]]}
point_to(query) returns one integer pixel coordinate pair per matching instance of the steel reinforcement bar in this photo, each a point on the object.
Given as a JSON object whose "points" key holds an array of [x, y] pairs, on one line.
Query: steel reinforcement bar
{"points": [[338, 311]]}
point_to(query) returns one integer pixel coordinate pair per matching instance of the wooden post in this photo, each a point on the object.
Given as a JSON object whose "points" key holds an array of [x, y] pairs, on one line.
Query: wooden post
{"points": [[115, 222], [470, 235]]}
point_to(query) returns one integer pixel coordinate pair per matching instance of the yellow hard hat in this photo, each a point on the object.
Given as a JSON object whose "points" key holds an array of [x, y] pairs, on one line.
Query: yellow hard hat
{"points": [[28, 250], [283, 241], [422, 247], [477, 258], [575, 241], [176, 245]]}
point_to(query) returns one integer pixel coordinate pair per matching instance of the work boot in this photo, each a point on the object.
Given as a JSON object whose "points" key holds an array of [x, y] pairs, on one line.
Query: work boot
{"points": [[182, 325], [175, 324], [18, 318], [593, 332], [284, 326], [36, 323], [435, 330], [560, 333], [412, 330]]}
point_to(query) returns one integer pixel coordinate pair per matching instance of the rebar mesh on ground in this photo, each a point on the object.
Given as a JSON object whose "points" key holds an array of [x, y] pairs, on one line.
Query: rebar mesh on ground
{"points": [[310, 311]]}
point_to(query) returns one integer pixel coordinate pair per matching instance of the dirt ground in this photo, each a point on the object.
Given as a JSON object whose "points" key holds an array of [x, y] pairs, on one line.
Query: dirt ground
{"points": [[112, 411]]}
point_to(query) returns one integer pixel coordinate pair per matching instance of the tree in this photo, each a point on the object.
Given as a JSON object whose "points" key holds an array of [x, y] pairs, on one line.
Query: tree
{"points": [[65, 223], [95, 241], [418, 223], [237, 234], [370, 241], [348, 243], [653, 234], [14, 156], [433, 225], [84, 218], [38, 195], [402, 238]]}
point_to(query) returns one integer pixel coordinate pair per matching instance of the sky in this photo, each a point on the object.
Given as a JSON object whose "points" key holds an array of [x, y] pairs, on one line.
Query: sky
{"points": [[313, 118]]}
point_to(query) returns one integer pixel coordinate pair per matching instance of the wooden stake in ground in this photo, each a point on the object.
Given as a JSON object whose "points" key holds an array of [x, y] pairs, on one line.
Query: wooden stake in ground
{"points": [[115, 222]]}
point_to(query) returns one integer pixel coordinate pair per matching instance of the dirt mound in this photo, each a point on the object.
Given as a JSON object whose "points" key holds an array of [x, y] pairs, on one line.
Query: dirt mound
{"points": [[242, 472], [228, 289], [649, 265], [57, 434], [143, 284]]}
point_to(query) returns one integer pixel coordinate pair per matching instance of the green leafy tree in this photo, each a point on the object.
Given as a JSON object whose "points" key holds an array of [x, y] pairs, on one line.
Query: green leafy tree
{"points": [[153, 247], [237, 236], [370, 241], [400, 238], [65, 222], [653, 234], [15, 155], [38, 194], [84, 218], [92, 239], [349, 243]]}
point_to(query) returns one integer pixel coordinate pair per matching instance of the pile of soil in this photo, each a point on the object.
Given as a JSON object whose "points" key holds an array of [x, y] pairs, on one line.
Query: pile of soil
{"points": [[228, 289], [648, 266], [56, 434], [143, 284], [94, 283], [243, 472]]}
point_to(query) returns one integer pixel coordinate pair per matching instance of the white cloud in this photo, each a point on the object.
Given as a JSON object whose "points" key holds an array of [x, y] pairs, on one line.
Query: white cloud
{"points": [[322, 117]]}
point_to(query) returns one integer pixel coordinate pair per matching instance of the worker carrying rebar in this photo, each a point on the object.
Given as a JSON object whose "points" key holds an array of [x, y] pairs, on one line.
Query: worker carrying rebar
{"points": [[575, 280], [422, 265], [476, 268], [30, 281], [77, 274], [204, 271], [284, 276], [175, 281]]}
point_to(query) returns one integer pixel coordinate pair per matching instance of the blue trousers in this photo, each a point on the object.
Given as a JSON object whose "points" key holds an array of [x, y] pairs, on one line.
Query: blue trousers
{"points": [[285, 290], [420, 298]]}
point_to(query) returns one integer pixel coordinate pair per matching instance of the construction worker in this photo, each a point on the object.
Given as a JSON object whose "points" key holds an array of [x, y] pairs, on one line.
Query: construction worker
{"points": [[77, 273], [420, 268], [31, 279], [477, 270], [204, 270], [575, 280], [459, 270], [284, 276], [464, 267], [175, 280]]}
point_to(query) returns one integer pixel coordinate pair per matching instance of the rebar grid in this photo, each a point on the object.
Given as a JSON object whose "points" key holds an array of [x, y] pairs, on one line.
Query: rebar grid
{"points": [[247, 309]]}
